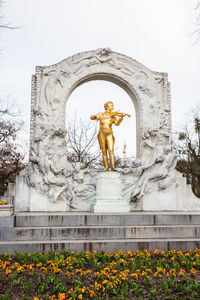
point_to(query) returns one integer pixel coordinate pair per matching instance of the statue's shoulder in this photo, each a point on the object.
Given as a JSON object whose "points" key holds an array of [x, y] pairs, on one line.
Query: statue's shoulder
{"points": [[99, 115]]}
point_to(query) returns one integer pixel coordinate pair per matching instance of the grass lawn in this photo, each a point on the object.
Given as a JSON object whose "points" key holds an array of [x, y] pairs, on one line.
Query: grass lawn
{"points": [[101, 275]]}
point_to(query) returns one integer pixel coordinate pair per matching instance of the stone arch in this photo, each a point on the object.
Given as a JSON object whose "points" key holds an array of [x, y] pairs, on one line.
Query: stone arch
{"points": [[52, 86], [127, 88]]}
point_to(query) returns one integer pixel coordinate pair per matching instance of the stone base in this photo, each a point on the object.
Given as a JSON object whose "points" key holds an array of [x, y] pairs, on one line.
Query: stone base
{"points": [[39, 202], [109, 232], [109, 206], [108, 194], [6, 210], [22, 194], [177, 197]]}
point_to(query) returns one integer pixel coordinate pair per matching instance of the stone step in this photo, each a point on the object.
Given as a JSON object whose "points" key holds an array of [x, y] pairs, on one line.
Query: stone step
{"points": [[100, 232], [98, 245], [90, 219]]}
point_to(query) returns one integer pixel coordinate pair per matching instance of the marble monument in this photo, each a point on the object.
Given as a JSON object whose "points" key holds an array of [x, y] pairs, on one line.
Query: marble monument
{"points": [[51, 184]]}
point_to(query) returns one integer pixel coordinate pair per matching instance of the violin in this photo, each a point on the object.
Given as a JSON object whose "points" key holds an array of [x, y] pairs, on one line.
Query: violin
{"points": [[119, 114]]}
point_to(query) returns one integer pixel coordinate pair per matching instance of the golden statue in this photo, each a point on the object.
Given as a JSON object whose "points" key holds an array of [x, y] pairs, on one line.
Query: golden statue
{"points": [[105, 136]]}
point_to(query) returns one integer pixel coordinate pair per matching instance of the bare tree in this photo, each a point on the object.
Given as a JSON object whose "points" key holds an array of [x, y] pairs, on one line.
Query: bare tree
{"points": [[121, 162], [189, 152], [2, 24], [196, 32], [11, 159], [81, 139]]}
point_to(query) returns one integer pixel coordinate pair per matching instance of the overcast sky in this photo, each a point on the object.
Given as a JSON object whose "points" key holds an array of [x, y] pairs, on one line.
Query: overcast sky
{"points": [[154, 32]]}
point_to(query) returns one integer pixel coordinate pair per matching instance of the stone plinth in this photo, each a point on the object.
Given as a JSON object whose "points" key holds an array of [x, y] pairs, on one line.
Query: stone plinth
{"points": [[6, 210], [108, 194]]}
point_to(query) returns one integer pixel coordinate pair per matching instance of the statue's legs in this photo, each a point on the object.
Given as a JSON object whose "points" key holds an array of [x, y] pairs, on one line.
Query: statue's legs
{"points": [[102, 143], [110, 145]]}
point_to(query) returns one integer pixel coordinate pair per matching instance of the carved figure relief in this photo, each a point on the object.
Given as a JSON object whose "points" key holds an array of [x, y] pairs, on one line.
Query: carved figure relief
{"points": [[142, 81], [161, 171], [149, 144]]}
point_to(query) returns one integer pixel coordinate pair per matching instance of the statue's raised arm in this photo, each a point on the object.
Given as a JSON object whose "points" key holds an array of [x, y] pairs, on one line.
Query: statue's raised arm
{"points": [[94, 117]]}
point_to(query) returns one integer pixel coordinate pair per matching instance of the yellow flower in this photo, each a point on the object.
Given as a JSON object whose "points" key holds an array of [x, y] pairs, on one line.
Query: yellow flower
{"points": [[193, 272], [172, 273], [44, 269], [8, 271], [80, 296], [182, 272], [105, 281], [149, 271], [143, 273], [39, 264]]}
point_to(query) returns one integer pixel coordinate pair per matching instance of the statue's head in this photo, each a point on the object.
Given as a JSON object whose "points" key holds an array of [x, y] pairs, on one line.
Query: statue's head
{"points": [[109, 105]]}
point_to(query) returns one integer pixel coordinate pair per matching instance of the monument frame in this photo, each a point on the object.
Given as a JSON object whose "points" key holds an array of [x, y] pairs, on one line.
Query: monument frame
{"points": [[152, 183]]}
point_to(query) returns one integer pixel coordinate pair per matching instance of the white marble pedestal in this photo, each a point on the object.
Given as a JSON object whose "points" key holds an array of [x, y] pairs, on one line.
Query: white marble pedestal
{"points": [[108, 194]]}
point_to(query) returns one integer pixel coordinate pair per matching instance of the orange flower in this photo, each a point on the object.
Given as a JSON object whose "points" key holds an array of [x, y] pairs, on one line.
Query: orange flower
{"points": [[61, 296], [92, 294], [20, 269], [2, 202], [134, 275], [80, 296]]}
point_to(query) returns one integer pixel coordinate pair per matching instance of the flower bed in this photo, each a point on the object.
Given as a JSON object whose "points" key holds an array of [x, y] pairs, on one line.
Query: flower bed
{"points": [[131, 275]]}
